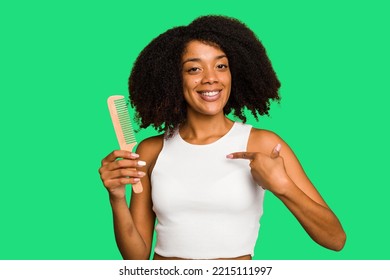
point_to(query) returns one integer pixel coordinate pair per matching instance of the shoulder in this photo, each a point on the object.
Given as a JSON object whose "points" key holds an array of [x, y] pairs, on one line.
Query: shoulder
{"points": [[149, 149], [262, 140], [152, 142], [151, 145]]}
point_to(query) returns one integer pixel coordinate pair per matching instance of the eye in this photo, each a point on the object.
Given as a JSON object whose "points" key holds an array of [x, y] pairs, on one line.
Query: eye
{"points": [[193, 70], [222, 66]]}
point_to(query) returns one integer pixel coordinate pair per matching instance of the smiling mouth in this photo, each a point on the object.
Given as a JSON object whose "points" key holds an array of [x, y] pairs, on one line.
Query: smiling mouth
{"points": [[209, 93]]}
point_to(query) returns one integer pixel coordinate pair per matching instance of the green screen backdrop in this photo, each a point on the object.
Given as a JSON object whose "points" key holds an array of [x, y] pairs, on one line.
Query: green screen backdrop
{"points": [[60, 60]]}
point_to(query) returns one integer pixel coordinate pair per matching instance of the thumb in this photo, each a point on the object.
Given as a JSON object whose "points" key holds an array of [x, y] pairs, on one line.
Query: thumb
{"points": [[275, 152]]}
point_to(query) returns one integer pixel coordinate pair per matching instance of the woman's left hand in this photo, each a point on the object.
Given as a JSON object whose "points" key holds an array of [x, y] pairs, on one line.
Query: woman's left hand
{"points": [[268, 171]]}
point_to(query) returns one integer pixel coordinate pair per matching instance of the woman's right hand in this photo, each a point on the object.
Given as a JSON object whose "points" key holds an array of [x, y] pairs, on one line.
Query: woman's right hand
{"points": [[119, 169]]}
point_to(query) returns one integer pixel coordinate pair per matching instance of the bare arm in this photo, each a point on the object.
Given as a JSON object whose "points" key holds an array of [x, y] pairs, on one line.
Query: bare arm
{"points": [[281, 173], [133, 227]]}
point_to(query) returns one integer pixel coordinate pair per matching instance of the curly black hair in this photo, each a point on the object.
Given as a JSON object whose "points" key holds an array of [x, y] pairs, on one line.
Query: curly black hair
{"points": [[155, 82]]}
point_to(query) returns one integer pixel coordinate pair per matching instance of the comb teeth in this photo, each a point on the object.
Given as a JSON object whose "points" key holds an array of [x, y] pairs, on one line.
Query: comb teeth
{"points": [[123, 128], [124, 120]]}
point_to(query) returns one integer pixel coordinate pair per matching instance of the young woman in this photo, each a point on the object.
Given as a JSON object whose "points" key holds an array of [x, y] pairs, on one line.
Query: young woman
{"points": [[204, 178]]}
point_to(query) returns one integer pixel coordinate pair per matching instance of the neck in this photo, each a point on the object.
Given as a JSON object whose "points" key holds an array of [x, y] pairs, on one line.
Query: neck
{"points": [[205, 129]]}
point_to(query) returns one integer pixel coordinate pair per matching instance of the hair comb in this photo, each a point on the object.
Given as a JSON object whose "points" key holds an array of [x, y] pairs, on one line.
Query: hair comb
{"points": [[123, 127]]}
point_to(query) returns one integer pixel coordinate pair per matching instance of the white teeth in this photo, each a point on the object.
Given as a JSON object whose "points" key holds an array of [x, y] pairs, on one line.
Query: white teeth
{"points": [[210, 93]]}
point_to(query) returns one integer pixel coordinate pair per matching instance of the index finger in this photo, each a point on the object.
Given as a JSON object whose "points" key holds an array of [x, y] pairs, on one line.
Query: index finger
{"points": [[119, 154], [243, 155]]}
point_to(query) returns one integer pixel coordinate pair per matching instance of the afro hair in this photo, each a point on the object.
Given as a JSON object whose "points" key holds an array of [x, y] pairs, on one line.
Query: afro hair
{"points": [[155, 82]]}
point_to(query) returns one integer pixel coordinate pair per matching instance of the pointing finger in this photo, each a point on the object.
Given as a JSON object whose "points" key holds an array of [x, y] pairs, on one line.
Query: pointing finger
{"points": [[243, 155]]}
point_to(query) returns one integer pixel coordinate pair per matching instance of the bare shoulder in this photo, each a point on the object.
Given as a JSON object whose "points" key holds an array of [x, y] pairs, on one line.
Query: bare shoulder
{"points": [[262, 140], [154, 142], [149, 149], [265, 141]]}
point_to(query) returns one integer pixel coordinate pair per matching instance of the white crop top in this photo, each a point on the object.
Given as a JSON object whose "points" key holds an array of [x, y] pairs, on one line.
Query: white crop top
{"points": [[207, 206]]}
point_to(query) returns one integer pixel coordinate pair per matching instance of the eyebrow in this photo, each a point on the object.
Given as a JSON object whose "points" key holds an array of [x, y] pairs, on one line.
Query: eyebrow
{"points": [[198, 59]]}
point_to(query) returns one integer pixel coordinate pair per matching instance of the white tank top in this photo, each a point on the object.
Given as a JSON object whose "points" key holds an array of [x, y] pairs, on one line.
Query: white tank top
{"points": [[207, 206]]}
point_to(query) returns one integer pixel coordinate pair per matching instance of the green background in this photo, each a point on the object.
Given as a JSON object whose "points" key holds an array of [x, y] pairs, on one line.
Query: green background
{"points": [[60, 60]]}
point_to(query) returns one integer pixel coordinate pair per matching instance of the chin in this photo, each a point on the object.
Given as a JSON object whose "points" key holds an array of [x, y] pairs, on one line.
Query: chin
{"points": [[210, 112]]}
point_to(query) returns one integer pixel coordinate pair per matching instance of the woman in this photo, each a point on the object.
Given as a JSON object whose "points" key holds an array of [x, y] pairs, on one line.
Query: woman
{"points": [[204, 178]]}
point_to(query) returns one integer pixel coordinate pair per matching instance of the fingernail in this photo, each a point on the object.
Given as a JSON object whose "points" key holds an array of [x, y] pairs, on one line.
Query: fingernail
{"points": [[140, 173], [136, 179], [229, 156], [134, 155], [141, 163], [278, 148]]}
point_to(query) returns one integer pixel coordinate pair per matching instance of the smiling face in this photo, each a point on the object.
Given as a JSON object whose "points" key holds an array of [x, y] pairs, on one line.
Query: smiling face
{"points": [[206, 78]]}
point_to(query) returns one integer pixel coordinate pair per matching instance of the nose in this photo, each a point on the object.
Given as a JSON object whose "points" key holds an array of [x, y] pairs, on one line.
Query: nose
{"points": [[209, 76]]}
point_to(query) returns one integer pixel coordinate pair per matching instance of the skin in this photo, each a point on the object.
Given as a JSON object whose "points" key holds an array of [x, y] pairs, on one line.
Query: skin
{"points": [[273, 164]]}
